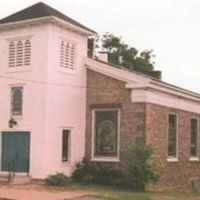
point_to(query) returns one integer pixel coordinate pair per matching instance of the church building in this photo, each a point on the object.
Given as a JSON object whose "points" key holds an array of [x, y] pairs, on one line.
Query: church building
{"points": [[58, 106]]}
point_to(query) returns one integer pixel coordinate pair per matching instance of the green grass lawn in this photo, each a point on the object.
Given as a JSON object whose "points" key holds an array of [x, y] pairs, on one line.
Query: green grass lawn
{"points": [[119, 195], [127, 195], [111, 193]]}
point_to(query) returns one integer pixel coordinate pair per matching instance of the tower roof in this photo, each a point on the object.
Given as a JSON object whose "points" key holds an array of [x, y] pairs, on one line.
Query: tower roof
{"points": [[40, 10]]}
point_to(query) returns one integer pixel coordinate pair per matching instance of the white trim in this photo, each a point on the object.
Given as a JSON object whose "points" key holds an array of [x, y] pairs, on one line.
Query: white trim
{"points": [[116, 73], [172, 158], [194, 159], [105, 158], [164, 90], [148, 95], [169, 87]]}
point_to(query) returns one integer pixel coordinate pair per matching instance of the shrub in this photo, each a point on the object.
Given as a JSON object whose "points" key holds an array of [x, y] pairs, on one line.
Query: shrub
{"points": [[58, 179], [136, 173], [89, 172], [84, 171], [139, 171]]}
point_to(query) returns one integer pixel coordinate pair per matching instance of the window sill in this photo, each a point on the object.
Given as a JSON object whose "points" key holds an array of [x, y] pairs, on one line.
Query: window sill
{"points": [[105, 159], [172, 159], [17, 117], [66, 163], [18, 70], [194, 159], [67, 71]]}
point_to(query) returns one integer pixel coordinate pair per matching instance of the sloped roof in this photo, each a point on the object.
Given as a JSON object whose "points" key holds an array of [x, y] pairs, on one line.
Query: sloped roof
{"points": [[40, 10], [131, 77]]}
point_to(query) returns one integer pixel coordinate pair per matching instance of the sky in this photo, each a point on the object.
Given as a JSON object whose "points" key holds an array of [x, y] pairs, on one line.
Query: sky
{"points": [[170, 27]]}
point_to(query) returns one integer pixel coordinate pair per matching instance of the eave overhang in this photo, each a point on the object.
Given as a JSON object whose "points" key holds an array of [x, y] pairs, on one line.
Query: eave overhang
{"points": [[147, 89], [50, 19]]}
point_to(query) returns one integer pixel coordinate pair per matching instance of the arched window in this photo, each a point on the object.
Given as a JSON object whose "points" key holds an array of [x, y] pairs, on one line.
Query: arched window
{"points": [[11, 54], [16, 100], [106, 132], [106, 135]]}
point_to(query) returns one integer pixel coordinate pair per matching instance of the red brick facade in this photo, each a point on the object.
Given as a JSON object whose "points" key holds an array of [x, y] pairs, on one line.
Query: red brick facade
{"points": [[143, 121], [106, 92], [174, 174]]}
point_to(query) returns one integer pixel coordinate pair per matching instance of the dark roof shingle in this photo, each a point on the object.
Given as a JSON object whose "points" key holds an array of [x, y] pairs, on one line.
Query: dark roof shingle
{"points": [[37, 11]]}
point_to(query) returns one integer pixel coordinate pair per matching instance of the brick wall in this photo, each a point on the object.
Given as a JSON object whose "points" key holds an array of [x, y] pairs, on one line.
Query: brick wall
{"points": [[174, 174], [106, 92], [147, 121]]}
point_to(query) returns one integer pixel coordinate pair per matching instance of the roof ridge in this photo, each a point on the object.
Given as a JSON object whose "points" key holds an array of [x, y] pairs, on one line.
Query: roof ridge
{"points": [[17, 12]]}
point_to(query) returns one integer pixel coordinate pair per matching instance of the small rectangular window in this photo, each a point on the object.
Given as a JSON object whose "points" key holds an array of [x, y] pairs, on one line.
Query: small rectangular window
{"points": [[16, 100], [65, 145], [172, 135], [194, 137]]}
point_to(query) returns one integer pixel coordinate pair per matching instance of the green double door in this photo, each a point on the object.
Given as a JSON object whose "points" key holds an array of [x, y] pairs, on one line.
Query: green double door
{"points": [[15, 151]]}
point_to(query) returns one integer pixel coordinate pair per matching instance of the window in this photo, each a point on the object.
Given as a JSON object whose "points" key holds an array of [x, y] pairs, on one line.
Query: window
{"points": [[194, 137], [65, 145], [106, 132], [16, 100], [172, 135], [19, 53], [67, 55]]}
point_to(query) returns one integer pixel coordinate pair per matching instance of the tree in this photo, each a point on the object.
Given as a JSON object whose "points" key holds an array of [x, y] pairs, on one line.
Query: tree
{"points": [[122, 54]]}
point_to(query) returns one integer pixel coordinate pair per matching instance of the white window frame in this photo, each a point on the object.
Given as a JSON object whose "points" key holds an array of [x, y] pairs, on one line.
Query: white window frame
{"points": [[105, 158], [173, 158], [195, 158]]}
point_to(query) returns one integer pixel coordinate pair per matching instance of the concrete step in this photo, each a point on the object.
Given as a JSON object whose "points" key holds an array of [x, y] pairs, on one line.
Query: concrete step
{"points": [[3, 179], [20, 180]]}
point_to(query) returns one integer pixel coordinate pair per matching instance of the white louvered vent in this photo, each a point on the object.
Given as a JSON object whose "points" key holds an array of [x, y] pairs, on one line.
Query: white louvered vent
{"points": [[19, 53], [27, 52], [12, 54], [67, 55]]}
